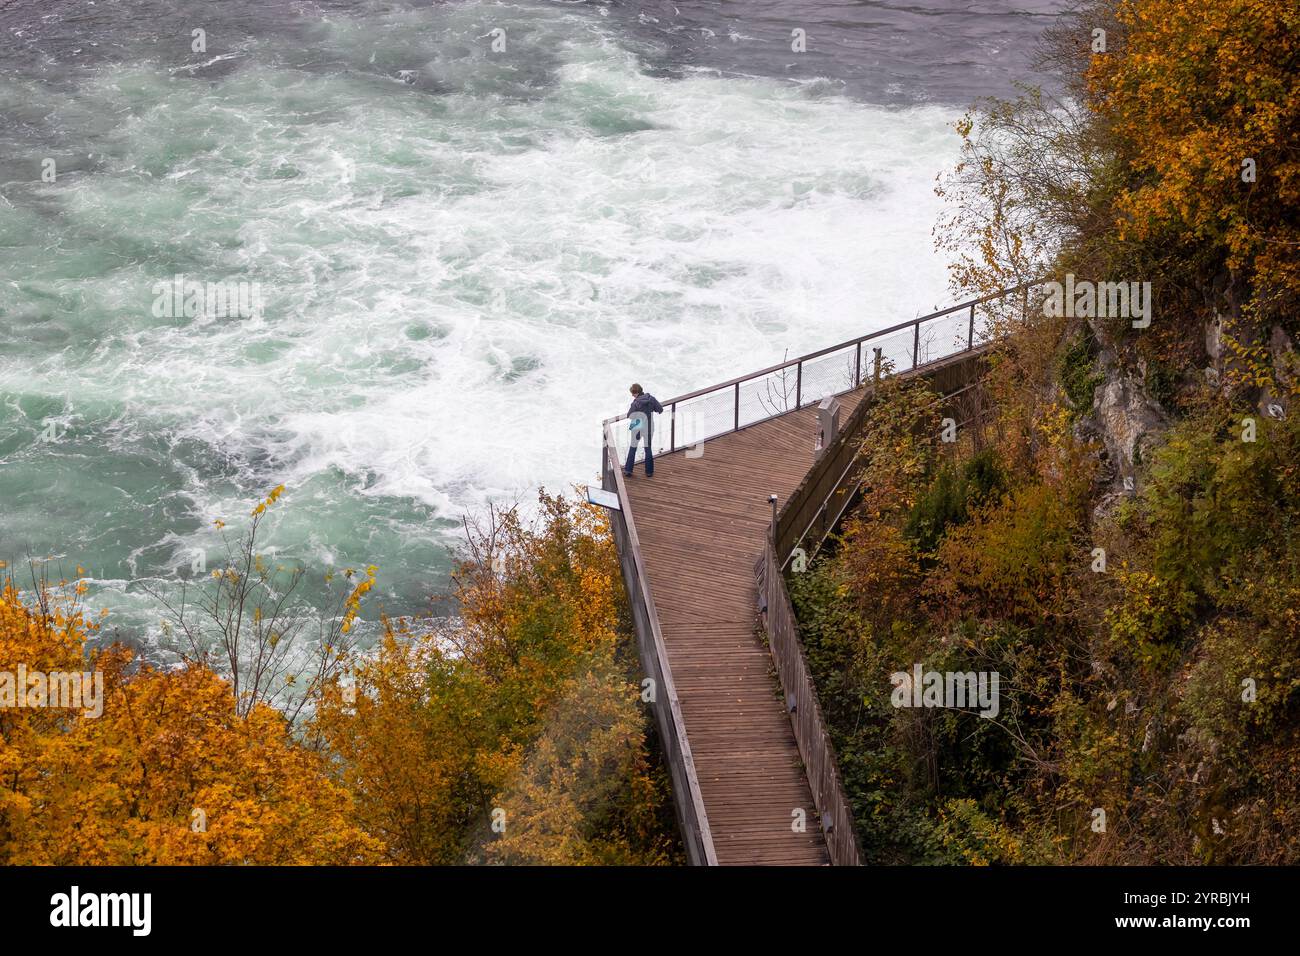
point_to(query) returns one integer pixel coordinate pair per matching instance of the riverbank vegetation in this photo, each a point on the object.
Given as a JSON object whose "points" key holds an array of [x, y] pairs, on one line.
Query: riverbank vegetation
{"points": [[515, 734], [510, 732], [1115, 537]]}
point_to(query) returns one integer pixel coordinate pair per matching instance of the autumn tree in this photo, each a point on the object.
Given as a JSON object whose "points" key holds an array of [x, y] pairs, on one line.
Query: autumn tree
{"points": [[249, 622], [514, 730], [1203, 103], [173, 771]]}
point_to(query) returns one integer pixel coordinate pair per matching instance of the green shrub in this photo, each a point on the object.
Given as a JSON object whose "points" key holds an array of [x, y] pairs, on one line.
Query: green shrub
{"points": [[1077, 371], [957, 489]]}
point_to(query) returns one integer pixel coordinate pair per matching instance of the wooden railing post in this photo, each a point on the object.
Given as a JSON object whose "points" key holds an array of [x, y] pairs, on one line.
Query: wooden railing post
{"points": [[916, 343], [970, 336], [672, 429], [737, 428]]}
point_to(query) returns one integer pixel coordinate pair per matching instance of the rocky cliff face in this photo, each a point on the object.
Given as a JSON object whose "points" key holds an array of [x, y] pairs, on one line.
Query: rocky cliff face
{"points": [[1129, 422], [1278, 350], [1127, 419], [1286, 363], [1123, 419]]}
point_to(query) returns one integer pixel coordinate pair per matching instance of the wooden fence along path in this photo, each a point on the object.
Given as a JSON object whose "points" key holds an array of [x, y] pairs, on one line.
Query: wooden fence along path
{"points": [[701, 546]]}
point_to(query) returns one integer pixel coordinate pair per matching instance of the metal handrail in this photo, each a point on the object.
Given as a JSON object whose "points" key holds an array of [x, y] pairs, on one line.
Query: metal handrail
{"points": [[796, 365], [689, 800]]}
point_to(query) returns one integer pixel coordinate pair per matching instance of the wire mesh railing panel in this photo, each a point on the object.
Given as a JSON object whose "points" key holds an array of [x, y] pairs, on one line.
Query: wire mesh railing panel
{"points": [[629, 431], [988, 317], [827, 374], [620, 436], [943, 336], [895, 353], [996, 315], [768, 395], [705, 416]]}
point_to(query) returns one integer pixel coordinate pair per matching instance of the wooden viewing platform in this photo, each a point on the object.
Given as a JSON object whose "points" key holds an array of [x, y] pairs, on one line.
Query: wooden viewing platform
{"points": [[694, 542], [701, 522]]}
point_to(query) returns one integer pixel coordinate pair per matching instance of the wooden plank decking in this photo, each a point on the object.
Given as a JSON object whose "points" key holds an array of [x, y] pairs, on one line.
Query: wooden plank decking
{"points": [[701, 523]]}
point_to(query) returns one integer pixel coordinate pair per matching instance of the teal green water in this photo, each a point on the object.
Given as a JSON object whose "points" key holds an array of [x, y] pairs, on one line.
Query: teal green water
{"points": [[462, 266]]}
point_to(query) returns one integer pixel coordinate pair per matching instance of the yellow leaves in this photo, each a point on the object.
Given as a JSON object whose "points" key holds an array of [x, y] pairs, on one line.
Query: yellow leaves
{"points": [[1053, 424], [1253, 365], [120, 788], [445, 721], [271, 499], [352, 604], [1200, 86]]}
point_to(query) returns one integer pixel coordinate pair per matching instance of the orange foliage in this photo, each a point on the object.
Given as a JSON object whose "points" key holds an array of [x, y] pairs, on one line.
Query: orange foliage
{"points": [[514, 733], [169, 773], [1200, 88]]}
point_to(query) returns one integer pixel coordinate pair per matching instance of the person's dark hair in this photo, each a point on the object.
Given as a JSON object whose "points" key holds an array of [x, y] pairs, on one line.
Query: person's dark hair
{"points": [[636, 389]]}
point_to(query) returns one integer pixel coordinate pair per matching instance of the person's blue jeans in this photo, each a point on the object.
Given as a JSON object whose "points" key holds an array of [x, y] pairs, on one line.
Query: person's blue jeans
{"points": [[649, 460]]}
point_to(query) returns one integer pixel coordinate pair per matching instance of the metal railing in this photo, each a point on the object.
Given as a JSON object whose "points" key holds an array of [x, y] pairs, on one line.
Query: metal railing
{"points": [[804, 521], [754, 398], [687, 799], [796, 383], [800, 694]]}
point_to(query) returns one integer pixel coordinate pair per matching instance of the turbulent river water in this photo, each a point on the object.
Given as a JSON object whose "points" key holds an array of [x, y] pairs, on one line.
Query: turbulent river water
{"points": [[470, 226]]}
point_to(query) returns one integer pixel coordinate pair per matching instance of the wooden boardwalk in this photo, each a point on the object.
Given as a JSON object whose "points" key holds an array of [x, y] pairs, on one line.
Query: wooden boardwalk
{"points": [[701, 523]]}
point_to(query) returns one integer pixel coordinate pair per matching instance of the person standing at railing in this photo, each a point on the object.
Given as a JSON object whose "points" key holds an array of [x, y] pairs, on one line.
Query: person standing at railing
{"points": [[641, 425]]}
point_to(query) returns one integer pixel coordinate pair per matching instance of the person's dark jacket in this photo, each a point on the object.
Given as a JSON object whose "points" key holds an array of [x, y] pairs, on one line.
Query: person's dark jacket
{"points": [[645, 403]]}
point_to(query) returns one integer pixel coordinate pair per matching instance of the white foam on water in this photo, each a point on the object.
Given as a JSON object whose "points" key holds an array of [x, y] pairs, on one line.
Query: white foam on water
{"points": [[461, 286], [746, 222]]}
